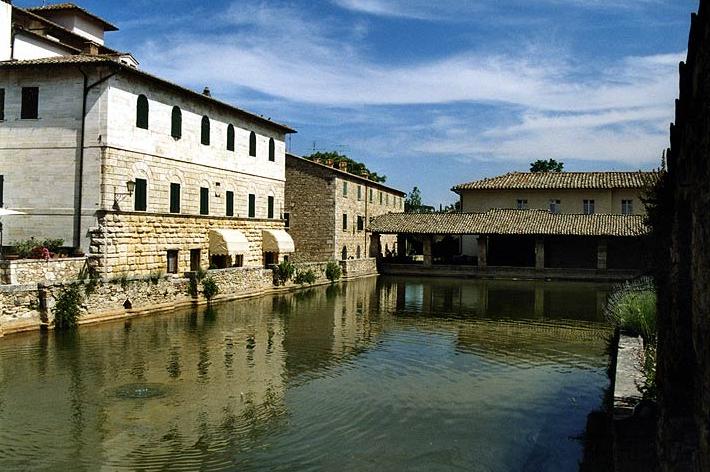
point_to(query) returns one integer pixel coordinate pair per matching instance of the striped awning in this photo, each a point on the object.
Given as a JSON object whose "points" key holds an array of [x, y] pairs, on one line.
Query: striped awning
{"points": [[277, 240], [228, 242]]}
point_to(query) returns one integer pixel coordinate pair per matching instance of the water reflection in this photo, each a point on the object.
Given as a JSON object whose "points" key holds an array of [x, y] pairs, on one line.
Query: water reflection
{"points": [[375, 374]]}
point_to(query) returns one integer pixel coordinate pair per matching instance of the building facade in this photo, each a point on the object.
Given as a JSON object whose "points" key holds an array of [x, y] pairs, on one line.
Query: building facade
{"points": [[329, 210], [141, 173]]}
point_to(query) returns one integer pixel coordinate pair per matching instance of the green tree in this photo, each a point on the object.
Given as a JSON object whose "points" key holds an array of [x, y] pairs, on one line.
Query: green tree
{"points": [[413, 202], [354, 167], [549, 165]]}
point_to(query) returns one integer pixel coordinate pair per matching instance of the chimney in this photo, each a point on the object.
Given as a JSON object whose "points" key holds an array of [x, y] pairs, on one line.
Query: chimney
{"points": [[317, 160], [206, 92], [343, 165], [91, 48]]}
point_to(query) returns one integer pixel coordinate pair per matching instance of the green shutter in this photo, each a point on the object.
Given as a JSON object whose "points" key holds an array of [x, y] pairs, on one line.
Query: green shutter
{"points": [[142, 112], [2, 104], [272, 150], [174, 198], [141, 197], [270, 208], [204, 201], [230, 203], [230, 138], [252, 205], [252, 144], [205, 131], [176, 123]]}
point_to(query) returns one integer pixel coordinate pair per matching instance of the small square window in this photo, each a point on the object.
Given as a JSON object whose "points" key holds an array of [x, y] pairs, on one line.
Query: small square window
{"points": [[627, 207], [555, 206], [522, 204], [172, 261], [588, 207]]}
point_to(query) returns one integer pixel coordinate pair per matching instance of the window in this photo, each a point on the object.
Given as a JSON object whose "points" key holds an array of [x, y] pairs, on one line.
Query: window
{"points": [[387, 199], [270, 207], [359, 192], [522, 205], [230, 203], [141, 195], [372, 195], [252, 205], [345, 221], [172, 261], [345, 189], [2, 104], [287, 220], [344, 253], [272, 150], [174, 198], [627, 207], [204, 201], [205, 135], [360, 223], [230, 138], [555, 206], [357, 252], [252, 144], [2, 191], [195, 257], [588, 207], [30, 103], [176, 123], [381, 199]]}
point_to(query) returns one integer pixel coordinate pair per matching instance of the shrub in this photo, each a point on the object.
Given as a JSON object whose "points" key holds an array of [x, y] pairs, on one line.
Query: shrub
{"points": [[192, 286], [285, 271], [200, 274], [67, 308], [303, 277], [333, 271], [123, 279], [37, 249], [156, 276], [209, 288]]}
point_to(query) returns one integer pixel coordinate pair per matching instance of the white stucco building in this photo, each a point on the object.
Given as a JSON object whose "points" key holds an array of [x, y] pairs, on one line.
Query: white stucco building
{"points": [[142, 173]]}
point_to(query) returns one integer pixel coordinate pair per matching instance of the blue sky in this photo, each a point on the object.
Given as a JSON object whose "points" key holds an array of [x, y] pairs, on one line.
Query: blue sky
{"points": [[430, 93]]}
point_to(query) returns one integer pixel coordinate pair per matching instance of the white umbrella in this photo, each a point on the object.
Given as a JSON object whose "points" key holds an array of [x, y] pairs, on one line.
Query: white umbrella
{"points": [[6, 212]]}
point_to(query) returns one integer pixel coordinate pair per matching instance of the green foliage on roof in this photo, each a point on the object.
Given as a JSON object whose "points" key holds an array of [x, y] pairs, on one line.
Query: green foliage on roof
{"points": [[354, 167]]}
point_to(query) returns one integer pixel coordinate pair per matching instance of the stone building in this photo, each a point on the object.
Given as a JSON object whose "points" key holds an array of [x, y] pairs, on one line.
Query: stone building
{"points": [[328, 210], [612, 193], [142, 173]]}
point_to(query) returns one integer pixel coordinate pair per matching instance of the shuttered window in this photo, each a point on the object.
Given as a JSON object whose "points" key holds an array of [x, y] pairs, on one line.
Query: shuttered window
{"points": [[252, 205], [270, 207], [172, 261], [30, 103], [205, 135], [2, 191], [345, 222], [174, 198], [230, 203], [2, 104], [176, 123], [141, 195], [204, 201], [272, 150], [230, 138], [252, 144], [142, 112]]}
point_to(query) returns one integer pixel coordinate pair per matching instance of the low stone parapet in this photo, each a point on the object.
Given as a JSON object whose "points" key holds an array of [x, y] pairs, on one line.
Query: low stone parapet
{"points": [[34, 271], [359, 267], [238, 281]]}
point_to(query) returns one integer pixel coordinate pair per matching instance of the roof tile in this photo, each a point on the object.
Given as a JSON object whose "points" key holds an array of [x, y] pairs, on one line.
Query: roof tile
{"points": [[562, 180]]}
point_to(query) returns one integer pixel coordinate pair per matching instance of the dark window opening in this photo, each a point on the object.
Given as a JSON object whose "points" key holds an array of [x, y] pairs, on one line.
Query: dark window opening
{"points": [[344, 253], [141, 195], [30, 103], [272, 150], [195, 257], [230, 203], [230, 138], [357, 252], [142, 112], [174, 198], [270, 258], [345, 222], [176, 123], [270, 207], [2, 191], [252, 144], [172, 261], [252, 205], [204, 201], [287, 220], [2, 104], [205, 135], [588, 207], [360, 223]]}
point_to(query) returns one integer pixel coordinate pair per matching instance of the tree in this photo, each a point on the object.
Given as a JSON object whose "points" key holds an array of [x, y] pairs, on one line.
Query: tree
{"points": [[452, 207], [549, 165], [413, 202], [354, 167]]}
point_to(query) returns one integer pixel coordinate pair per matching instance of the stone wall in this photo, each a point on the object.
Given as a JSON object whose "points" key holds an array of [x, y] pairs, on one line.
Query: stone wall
{"points": [[137, 243], [681, 223], [239, 281], [32, 271], [359, 267]]}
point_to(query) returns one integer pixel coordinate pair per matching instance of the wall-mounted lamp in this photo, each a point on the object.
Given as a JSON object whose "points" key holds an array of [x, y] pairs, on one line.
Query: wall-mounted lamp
{"points": [[120, 196]]}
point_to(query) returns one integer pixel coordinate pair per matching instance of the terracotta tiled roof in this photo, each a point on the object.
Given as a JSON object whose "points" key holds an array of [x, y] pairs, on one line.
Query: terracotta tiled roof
{"points": [[70, 6], [562, 180], [510, 222], [114, 60]]}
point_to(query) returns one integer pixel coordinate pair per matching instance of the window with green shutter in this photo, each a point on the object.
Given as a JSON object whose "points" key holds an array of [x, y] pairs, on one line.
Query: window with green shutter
{"points": [[176, 123], [142, 112], [174, 198], [204, 201], [252, 205], [270, 207], [2, 191], [205, 135], [230, 138], [252, 144], [2, 104], [345, 221], [272, 150], [230, 203], [141, 195]]}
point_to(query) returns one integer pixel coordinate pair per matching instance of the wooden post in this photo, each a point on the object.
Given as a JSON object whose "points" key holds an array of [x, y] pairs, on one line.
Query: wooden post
{"points": [[483, 251], [601, 254], [540, 254]]}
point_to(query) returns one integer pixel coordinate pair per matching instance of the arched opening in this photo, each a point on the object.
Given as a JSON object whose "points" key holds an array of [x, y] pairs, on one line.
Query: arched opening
{"points": [[176, 123], [230, 138], [142, 112], [357, 252], [344, 253], [272, 150], [205, 131], [252, 144]]}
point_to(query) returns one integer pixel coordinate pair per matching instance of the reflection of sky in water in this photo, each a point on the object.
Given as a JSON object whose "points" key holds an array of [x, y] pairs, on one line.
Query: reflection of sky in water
{"points": [[368, 375]]}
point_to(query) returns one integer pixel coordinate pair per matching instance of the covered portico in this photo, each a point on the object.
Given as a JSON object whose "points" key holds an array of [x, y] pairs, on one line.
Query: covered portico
{"points": [[533, 243]]}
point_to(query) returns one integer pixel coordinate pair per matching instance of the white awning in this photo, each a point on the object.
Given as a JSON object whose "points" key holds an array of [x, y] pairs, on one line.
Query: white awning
{"points": [[277, 240], [228, 242]]}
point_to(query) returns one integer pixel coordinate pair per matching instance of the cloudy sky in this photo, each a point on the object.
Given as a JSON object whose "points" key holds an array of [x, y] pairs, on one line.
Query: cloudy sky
{"points": [[430, 93]]}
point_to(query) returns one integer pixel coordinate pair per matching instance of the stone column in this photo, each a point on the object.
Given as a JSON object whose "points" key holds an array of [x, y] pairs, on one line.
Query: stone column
{"points": [[483, 252], [375, 245], [401, 245], [601, 254], [428, 259], [540, 254]]}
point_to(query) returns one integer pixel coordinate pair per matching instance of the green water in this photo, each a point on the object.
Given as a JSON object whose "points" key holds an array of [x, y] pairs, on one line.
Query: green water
{"points": [[376, 374]]}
